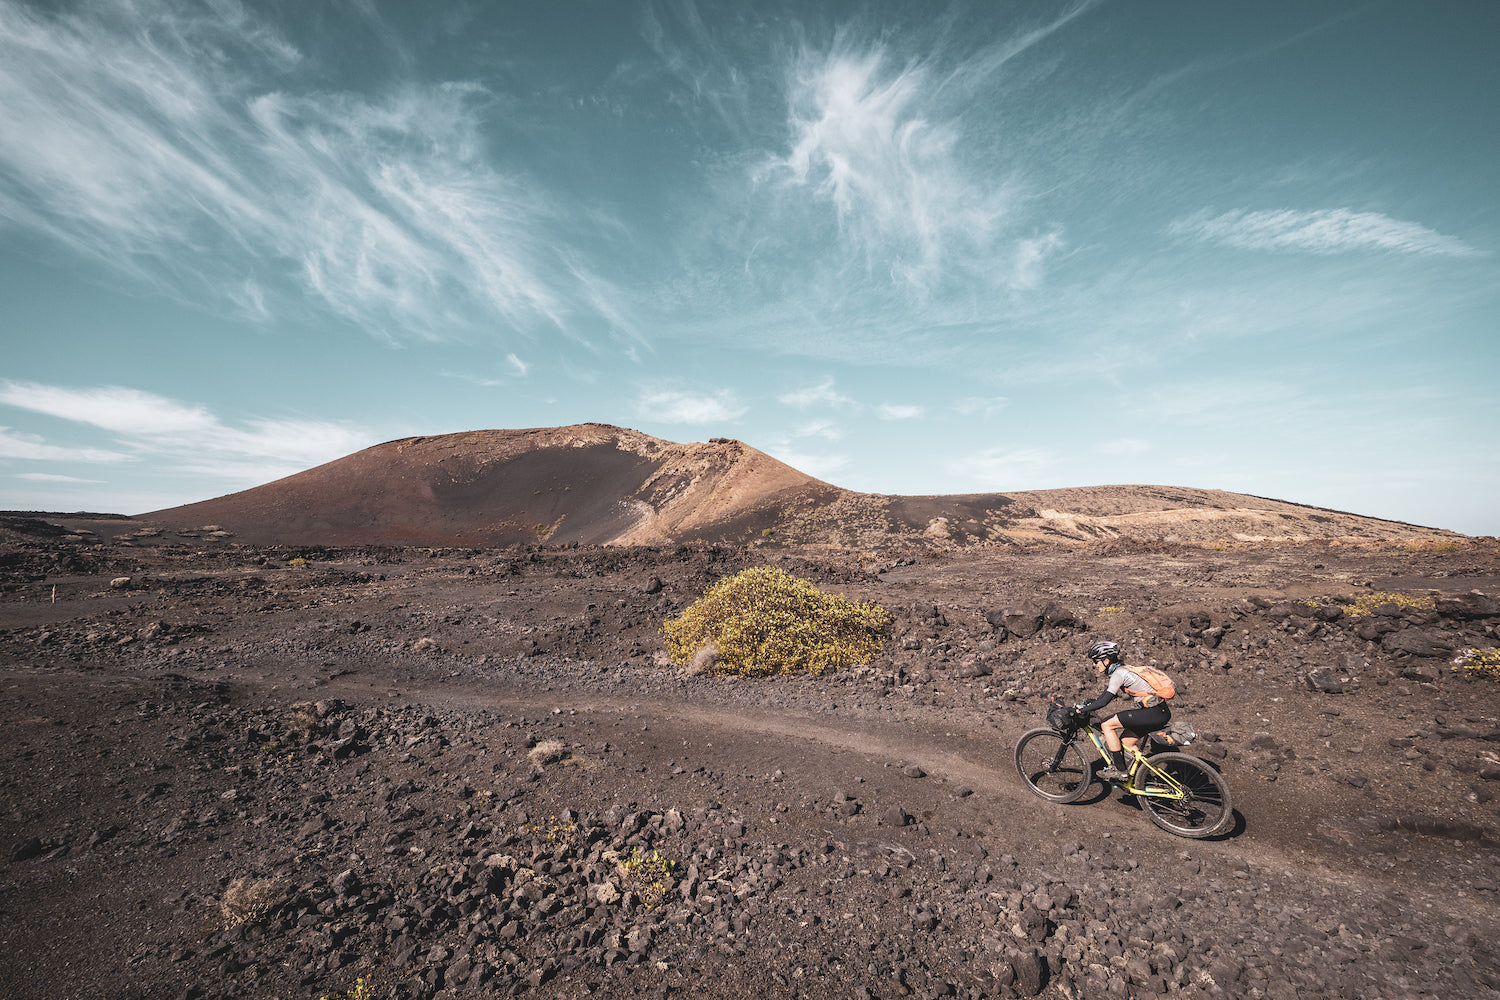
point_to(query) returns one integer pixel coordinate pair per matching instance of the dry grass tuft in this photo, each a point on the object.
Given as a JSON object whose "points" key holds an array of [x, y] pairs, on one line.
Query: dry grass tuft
{"points": [[546, 752], [248, 899]]}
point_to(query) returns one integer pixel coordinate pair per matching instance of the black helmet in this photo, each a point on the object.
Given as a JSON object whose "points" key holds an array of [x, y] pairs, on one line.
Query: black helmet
{"points": [[1104, 649]]}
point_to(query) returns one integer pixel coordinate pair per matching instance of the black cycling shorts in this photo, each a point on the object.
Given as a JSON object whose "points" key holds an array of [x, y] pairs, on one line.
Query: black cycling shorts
{"points": [[1146, 720]]}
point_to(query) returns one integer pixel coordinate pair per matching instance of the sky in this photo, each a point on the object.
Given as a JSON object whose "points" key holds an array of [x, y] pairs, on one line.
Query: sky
{"points": [[905, 248]]}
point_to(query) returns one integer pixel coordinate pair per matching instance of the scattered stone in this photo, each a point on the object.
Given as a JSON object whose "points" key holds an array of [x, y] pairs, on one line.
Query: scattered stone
{"points": [[1325, 681], [895, 816]]}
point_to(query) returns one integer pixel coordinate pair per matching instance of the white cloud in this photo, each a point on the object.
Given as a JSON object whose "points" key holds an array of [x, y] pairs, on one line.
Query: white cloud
{"points": [[176, 436], [822, 394], [170, 140], [1125, 446], [32, 448], [895, 411], [125, 411], [676, 407], [1031, 260], [977, 406], [1014, 469], [518, 367], [901, 148], [1324, 231], [819, 466], [868, 140], [48, 477], [825, 429]]}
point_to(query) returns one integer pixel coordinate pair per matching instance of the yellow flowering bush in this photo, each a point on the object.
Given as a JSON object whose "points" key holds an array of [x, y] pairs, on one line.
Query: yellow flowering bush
{"points": [[1478, 663], [1369, 602], [766, 621]]}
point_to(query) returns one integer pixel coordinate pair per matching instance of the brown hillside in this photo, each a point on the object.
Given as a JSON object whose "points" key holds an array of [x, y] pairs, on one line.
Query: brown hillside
{"points": [[597, 484], [589, 483]]}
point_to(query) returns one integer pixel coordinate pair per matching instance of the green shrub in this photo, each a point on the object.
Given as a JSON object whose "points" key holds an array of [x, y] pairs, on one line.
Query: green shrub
{"points": [[646, 876], [766, 621]]}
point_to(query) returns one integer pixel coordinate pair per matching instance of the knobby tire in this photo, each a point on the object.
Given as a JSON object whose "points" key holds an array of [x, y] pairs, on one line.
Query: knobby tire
{"points": [[1205, 811], [1052, 765]]}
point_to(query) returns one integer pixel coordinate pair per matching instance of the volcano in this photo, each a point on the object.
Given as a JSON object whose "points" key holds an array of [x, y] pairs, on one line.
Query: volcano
{"points": [[599, 484]]}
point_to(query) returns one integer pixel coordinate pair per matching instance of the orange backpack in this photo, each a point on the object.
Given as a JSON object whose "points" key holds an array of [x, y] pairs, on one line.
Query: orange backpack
{"points": [[1161, 684]]}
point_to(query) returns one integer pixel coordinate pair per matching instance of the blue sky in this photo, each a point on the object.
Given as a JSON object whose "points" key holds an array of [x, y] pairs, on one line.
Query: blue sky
{"points": [[905, 248]]}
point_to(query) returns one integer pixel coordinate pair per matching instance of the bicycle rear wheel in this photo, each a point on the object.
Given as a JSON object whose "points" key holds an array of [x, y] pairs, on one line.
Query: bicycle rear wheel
{"points": [[1052, 765], [1204, 809]]}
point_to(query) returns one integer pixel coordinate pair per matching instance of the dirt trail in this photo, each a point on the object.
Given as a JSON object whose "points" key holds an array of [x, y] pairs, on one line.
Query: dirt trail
{"points": [[1274, 828]]}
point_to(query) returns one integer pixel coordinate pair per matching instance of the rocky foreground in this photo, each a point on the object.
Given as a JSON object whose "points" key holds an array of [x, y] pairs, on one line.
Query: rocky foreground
{"points": [[430, 773]]}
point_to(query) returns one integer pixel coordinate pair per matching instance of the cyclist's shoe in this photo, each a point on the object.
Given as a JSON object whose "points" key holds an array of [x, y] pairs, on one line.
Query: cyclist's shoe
{"points": [[1112, 773]]}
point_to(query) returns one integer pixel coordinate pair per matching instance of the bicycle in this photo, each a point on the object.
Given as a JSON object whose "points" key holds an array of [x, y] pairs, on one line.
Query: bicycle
{"points": [[1180, 793]]}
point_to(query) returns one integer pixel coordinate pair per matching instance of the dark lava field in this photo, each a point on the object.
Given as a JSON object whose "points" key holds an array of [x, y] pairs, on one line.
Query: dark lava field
{"points": [[232, 771]]}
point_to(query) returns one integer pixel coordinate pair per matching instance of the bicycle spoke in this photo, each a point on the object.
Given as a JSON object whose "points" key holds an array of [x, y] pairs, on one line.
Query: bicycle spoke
{"points": [[1052, 766], [1186, 797]]}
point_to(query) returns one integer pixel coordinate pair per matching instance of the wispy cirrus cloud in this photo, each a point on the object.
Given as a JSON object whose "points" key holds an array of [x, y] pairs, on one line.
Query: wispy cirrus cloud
{"points": [[870, 141], [29, 447], [1125, 446], [899, 411], [825, 429], [673, 406], [113, 408], [1322, 231], [1014, 468], [49, 477], [188, 147], [179, 437], [820, 465], [981, 406], [825, 393], [894, 139]]}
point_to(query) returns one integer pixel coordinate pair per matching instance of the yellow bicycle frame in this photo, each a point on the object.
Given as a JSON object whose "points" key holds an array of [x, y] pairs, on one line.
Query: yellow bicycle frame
{"points": [[1170, 787]]}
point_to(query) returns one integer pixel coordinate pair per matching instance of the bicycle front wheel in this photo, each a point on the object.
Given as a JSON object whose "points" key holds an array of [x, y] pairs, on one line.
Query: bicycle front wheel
{"points": [[1052, 765], [1202, 810]]}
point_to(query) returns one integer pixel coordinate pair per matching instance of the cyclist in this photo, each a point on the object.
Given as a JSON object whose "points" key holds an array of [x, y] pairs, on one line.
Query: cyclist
{"points": [[1153, 713]]}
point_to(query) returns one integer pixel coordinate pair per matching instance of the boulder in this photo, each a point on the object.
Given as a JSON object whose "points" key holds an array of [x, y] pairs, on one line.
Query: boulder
{"points": [[1054, 615], [1465, 607], [1371, 629], [1021, 622], [1418, 643], [1325, 681], [640, 938], [896, 816], [972, 668], [1030, 972], [997, 620]]}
